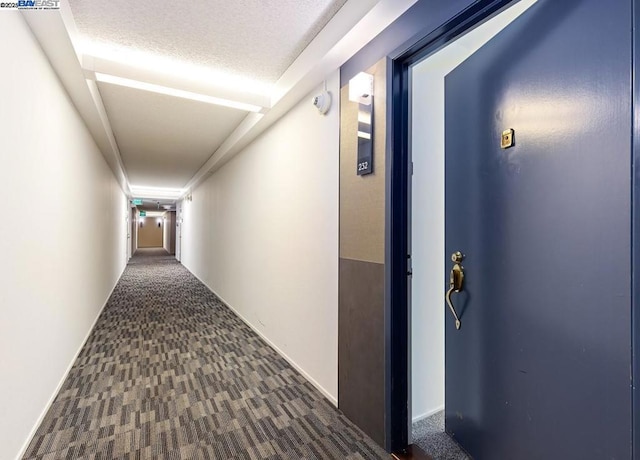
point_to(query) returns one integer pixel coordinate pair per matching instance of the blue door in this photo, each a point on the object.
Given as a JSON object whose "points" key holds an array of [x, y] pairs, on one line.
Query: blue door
{"points": [[540, 367]]}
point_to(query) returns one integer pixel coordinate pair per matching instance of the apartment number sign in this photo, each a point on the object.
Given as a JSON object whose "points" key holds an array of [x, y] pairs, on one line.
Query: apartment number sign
{"points": [[365, 138]]}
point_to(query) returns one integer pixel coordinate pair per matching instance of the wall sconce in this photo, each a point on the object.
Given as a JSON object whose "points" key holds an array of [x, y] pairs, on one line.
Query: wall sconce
{"points": [[361, 88], [361, 91]]}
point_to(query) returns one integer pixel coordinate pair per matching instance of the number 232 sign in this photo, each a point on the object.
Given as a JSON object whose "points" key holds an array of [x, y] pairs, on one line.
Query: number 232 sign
{"points": [[365, 156]]}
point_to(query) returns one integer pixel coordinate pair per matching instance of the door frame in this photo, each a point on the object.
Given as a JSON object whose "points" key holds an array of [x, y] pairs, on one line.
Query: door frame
{"points": [[133, 239], [398, 217], [635, 232]]}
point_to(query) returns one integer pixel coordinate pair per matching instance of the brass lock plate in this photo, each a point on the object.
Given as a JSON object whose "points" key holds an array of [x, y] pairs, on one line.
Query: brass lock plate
{"points": [[506, 140]]}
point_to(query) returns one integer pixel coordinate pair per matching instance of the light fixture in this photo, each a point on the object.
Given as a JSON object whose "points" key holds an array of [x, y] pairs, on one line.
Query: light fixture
{"points": [[361, 91], [156, 192], [168, 66], [364, 117], [361, 88], [104, 78]]}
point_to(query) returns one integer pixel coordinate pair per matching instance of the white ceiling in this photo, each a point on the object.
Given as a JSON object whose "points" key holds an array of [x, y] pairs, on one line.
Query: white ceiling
{"points": [[266, 56], [257, 38], [164, 140]]}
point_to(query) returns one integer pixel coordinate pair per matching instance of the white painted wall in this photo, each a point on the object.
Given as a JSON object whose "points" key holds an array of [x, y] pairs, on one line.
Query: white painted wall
{"points": [[262, 232], [57, 267], [427, 313], [428, 232]]}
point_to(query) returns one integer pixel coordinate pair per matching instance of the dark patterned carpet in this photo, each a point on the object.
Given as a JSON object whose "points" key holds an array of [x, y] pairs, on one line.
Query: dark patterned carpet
{"points": [[169, 372]]}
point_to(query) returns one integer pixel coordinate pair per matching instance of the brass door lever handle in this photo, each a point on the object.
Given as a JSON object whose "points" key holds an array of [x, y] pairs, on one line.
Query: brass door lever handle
{"points": [[456, 279]]}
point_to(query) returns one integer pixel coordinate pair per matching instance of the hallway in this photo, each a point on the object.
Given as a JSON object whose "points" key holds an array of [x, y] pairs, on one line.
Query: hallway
{"points": [[169, 372]]}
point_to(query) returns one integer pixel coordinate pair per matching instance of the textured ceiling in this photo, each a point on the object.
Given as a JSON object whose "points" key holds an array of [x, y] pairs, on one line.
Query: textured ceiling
{"points": [[253, 38], [164, 140]]}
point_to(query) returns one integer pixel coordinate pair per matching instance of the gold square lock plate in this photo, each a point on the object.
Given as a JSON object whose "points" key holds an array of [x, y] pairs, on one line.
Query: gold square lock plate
{"points": [[507, 139]]}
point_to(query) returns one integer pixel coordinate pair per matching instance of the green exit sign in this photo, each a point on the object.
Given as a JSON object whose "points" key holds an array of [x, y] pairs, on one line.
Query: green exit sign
{"points": [[143, 213], [136, 201]]}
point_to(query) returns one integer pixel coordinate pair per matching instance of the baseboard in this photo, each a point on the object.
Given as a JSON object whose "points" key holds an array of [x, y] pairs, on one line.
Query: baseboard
{"points": [[66, 373], [295, 365], [427, 414]]}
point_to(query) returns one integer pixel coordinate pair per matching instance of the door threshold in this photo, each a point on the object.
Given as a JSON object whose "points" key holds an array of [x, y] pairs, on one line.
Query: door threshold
{"points": [[412, 452]]}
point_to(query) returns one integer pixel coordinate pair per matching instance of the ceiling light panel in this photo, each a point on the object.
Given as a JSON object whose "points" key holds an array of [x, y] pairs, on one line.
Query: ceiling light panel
{"points": [[166, 65], [175, 92], [156, 192]]}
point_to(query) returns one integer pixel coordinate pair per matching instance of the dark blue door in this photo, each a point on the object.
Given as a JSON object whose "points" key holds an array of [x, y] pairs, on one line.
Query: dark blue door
{"points": [[540, 368]]}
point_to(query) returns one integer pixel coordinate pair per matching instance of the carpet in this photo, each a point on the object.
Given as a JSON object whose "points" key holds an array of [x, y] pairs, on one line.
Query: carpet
{"points": [[170, 372], [429, 434]]}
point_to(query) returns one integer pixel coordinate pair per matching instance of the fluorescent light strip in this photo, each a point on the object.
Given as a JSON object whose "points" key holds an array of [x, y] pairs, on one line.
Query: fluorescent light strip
{"points": [[165, 65], [364, 135], [104, 78], [154, 192]]}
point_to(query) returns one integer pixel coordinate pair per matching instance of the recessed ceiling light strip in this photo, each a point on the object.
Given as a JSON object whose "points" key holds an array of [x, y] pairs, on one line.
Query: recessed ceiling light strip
{"points": [[155, 192], [104, 78]]}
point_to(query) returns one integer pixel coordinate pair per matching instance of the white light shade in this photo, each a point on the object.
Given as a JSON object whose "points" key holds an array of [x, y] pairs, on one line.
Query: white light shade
{"points": [[175, 92], [361, 88]]}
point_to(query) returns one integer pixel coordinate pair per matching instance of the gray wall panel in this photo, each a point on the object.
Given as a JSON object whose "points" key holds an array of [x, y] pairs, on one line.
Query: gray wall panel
{"points": [[361, 345]]}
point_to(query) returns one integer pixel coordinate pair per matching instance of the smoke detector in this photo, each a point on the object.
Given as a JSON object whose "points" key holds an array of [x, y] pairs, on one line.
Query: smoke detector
{"points": [[322, 101]]}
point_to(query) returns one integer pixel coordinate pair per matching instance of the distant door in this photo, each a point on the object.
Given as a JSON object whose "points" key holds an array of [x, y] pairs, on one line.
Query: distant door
{"points": [[150, 232], [174, 230], [540, 367], [178, 231], [133, 235]]}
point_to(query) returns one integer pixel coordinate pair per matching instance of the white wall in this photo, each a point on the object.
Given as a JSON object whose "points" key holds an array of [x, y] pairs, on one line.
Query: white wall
{"points": [[262, 232], [57, 267], [427, 312], [428, 232]]}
